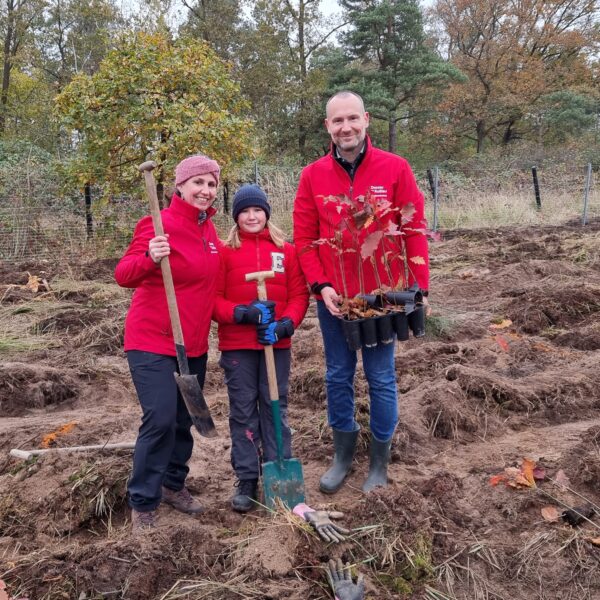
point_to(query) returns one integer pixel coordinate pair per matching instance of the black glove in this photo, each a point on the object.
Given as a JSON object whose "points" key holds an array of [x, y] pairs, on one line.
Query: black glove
{"points": [[275, 331], [340, 580], [255, 313], [325, 527]]}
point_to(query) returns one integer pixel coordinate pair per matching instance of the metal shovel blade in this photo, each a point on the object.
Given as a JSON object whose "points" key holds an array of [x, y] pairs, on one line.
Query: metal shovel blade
{"points": [[196, 404], [283, 480]]}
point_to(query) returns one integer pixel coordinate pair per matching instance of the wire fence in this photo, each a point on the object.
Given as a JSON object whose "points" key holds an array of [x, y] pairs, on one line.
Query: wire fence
{"points": [[30, 230]]}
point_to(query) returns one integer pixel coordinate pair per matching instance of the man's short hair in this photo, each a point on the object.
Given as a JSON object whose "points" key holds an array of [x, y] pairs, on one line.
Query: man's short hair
{"points": [[345, 94]]}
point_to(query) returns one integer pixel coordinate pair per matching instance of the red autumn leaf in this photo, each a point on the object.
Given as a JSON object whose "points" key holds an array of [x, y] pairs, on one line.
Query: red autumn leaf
{"points": [[539, 473], [370, 244], [407, 212], [502, 342], [496, 479], [418, 260]]}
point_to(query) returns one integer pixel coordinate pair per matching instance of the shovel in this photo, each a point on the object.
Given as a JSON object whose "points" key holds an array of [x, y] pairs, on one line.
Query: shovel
{"points": [[188, 384], [282, 478]]}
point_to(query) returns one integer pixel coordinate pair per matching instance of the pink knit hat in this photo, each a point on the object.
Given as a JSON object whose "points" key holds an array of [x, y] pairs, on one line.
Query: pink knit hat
{"points": [[196, 165]]}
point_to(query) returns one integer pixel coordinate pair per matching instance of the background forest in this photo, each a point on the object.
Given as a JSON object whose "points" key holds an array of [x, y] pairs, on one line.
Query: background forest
{"points": [[91, 88]]}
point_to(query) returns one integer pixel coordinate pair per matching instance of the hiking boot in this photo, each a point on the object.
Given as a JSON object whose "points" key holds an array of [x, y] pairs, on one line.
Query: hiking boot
{"points": [[245, 497], [380, 458], [182, 501], [344, 444], [142, 521]]}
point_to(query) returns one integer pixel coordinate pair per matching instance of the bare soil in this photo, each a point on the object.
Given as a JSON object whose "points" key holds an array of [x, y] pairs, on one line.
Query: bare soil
{"points": [[509, 369]]}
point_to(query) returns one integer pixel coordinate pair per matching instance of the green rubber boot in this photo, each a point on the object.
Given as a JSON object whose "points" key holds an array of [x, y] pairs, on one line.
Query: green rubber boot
{"points": [[380, 458], [344, 443]]}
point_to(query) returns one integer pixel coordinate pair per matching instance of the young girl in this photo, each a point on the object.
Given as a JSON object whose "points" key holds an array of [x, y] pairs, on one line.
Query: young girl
{"points": [[246, 325]]}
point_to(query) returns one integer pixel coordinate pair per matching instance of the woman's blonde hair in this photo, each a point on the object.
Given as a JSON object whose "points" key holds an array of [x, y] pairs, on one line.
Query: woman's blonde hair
{"points": [[277, 236]]}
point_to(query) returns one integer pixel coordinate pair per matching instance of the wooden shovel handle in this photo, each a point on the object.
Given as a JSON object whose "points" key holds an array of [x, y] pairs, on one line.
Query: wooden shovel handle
{"points": [[165, 266], [261, 288]]}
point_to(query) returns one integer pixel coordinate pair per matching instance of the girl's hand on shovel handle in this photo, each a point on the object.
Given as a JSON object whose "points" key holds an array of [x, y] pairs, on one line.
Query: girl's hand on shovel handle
{"points": [[158, 247]]}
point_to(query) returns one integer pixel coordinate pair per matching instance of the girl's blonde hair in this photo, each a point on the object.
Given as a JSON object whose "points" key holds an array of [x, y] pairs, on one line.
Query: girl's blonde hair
{"points": [[277, 236]]}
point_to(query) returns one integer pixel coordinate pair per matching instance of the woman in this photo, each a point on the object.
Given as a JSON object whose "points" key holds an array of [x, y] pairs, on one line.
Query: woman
{"points": [[164, 443], [246, 325]]}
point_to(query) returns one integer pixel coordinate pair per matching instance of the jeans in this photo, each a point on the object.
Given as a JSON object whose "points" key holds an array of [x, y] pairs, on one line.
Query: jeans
{"points": [[250, 415], [380, 371], [164, 443]]}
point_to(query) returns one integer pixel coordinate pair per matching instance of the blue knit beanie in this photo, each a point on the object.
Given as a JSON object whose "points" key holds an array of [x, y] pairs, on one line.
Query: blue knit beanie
{"points": [[250, 195]]}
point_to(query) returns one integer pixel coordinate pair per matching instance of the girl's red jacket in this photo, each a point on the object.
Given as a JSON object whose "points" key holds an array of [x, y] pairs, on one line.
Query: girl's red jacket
{"points": [[336, 247], [287, 289], [194, 262]]}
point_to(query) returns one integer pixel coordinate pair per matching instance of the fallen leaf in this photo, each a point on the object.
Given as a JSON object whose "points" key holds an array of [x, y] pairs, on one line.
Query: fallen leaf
{"points": [[502, 325], [550, 514], [418, 260], [496, 479], [502, 342], [539, 473], [595, 541], [527, 467]]}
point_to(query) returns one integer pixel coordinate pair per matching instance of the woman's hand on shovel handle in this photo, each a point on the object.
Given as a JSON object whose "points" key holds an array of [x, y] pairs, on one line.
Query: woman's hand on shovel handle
{"points": [[158, 247]]}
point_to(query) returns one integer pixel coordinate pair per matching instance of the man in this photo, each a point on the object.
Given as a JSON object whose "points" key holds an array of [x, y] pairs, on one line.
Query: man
{"points": [[356, 170]]}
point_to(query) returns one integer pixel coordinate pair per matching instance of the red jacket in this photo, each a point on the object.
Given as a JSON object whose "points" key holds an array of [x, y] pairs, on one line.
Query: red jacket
{"points": [[194, 262], [288, 288], [382, 175]]}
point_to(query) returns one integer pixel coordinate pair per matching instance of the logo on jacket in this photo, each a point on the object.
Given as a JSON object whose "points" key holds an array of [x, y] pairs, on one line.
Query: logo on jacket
{"points": [[379, 192], [277, 262], [213, 248]]}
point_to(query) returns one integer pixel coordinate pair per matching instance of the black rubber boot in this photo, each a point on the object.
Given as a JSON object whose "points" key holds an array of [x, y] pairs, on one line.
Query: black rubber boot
{"points": [[344, 443], [380, 458], [245, 496]]}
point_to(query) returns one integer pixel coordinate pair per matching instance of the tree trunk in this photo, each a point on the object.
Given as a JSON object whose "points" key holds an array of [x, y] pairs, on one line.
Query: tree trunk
{"points": [[7, 62], [481, 133], [392, 133]]}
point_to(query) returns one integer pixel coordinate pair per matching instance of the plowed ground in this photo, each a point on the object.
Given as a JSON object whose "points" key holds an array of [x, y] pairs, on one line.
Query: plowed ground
{"points": [[473, 400]]}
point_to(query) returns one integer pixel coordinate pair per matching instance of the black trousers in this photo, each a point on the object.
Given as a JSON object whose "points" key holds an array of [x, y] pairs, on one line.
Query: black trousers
{"points": [[250, 415], [164, 443]]}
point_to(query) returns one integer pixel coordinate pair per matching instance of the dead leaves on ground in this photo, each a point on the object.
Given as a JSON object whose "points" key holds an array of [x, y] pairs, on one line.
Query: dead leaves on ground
{"points": [[521, 477], [49, 439]]}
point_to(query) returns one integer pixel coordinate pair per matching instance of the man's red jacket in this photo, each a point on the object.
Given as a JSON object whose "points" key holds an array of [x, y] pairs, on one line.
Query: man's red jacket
{"points": [[287, 289], [194, 262], [331, 248]]}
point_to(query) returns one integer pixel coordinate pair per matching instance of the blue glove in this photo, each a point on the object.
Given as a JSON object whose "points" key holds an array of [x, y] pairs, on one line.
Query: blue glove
{"points": [[259, 312], [275, 331]]}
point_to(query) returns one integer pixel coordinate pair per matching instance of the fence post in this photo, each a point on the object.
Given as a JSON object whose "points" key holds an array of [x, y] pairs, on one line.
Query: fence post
{"points": [[536, 188], [586, 194], [436, 188], [89, 223]]}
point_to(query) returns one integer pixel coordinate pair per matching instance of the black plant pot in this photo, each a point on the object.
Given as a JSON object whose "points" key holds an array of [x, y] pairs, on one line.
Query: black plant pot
{"points": [[352, 334], [385, 329], [416, 321], [400, 323], [372, 300], [368, 332], [407, 298]]}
